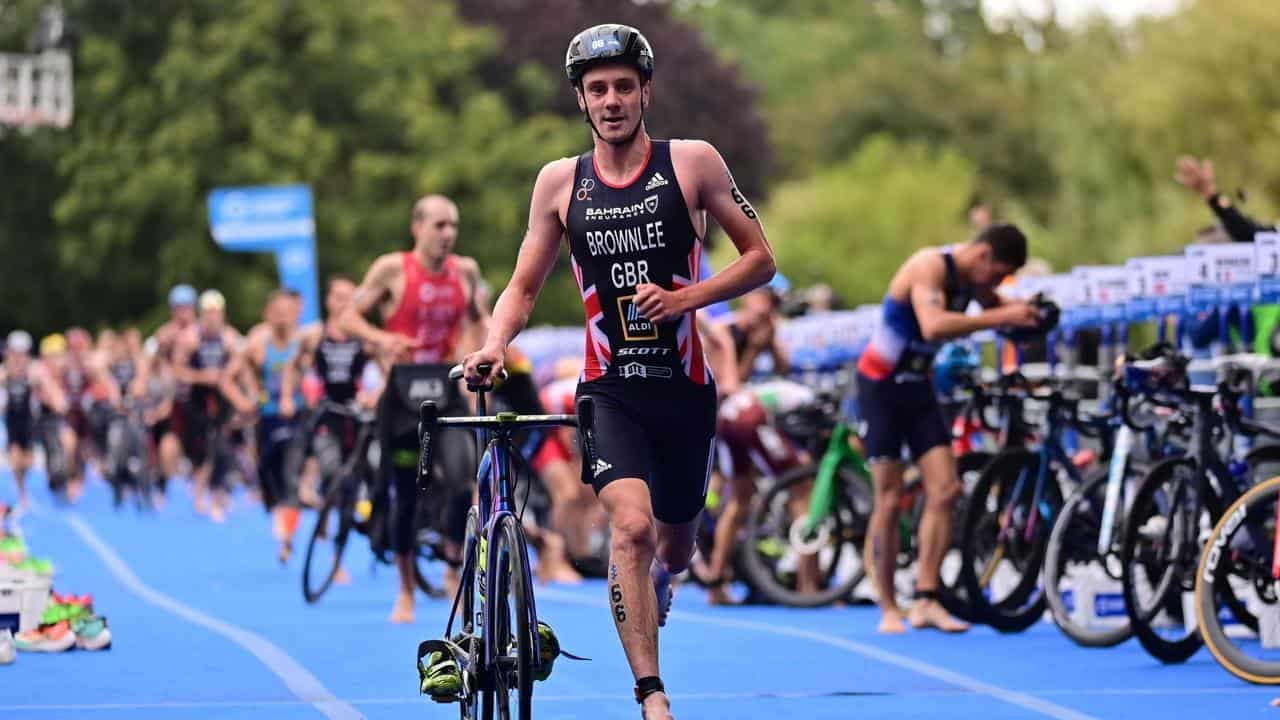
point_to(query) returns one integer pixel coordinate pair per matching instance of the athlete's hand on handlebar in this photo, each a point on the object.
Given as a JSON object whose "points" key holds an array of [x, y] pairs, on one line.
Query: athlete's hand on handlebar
{"points": [[487, 355], [1017, 314], [657, 304]]}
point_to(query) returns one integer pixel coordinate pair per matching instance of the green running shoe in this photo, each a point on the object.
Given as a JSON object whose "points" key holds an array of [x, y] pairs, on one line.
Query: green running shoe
{"points": [[439, 677]]}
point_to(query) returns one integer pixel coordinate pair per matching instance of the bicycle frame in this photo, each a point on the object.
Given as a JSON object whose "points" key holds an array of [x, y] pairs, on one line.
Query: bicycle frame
{"points": [[495, 493]]}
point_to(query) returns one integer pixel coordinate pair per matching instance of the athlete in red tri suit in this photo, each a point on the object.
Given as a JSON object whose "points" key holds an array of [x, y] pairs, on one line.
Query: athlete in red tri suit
{"points": [[634, 211], [426, 298]]}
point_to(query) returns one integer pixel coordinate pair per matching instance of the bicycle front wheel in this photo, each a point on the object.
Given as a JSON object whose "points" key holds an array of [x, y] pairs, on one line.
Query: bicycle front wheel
{"points": [[327, 542], [1238, 558], [510, 624]]}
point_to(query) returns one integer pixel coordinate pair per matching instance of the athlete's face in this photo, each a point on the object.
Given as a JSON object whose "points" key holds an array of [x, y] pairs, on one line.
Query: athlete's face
{"points": [[212, 319], [614, 99], [339, 296], [987, 272], [435, 227], [184, 315], [279, 313]]}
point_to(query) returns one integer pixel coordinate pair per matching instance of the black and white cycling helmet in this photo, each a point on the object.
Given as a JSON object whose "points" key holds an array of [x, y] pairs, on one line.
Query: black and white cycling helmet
{"points": [[608, 44]]}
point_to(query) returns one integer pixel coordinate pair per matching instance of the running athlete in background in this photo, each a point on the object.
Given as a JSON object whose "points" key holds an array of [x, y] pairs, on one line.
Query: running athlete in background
{"points": [[91, 393], [201, 355], [24, 381], [925, 305], [253, 384], [171, 432], [426, 298], [634, 211]]}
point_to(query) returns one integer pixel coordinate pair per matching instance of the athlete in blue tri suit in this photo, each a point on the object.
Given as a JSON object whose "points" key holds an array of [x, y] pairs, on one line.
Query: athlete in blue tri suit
{"points": [[634, 211], [253, 384], [925, 305]]}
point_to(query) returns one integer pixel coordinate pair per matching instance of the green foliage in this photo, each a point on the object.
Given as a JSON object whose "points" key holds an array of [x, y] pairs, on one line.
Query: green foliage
{"points": [[852, 224], [371, 104]]}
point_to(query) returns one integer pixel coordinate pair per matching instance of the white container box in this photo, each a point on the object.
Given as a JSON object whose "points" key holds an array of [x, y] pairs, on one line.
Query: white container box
{"points": [[25, 597]]}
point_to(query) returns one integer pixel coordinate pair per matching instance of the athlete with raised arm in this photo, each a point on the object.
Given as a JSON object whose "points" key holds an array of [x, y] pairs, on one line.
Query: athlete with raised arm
{"points": [[634, 211], [925, 305]]}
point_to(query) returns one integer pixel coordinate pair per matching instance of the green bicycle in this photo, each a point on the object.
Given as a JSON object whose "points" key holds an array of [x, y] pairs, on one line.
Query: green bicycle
{"points": [[813, 519]]}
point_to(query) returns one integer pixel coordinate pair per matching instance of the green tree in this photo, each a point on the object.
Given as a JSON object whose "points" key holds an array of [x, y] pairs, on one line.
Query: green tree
{"points": [[371, 104], [852, 224]]}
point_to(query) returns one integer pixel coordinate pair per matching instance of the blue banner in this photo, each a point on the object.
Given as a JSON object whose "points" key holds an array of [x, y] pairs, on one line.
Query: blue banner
{"points": [[278, 219]]}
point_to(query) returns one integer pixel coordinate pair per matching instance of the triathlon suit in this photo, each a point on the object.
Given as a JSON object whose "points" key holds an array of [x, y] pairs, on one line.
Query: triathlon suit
{"points": [[275, 432], [339, 364], [177, 422], [895, 390], [19, 421], [430, 314], [748, 427], [206, 408], [123, 372], [653, 397]]}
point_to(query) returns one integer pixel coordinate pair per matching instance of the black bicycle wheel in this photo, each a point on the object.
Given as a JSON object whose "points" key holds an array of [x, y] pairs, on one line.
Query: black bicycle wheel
{"points": [[1004, 541], [470, 621], [776, 541], [1239, 553], [1158, 558], [1072, 561], [952, 595], [327, 542], [511, 625]]}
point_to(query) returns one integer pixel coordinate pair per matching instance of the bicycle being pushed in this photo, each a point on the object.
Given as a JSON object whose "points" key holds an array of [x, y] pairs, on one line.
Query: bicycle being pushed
{"points": [[489, 666]]}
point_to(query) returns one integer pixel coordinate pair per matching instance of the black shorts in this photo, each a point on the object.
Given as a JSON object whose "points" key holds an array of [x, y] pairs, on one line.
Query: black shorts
{"points": [[19, 428], [899, 414], [662, 431]]}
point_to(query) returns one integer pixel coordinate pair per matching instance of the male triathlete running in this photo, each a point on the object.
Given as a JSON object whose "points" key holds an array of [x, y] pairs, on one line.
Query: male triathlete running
{"points": [[172, 432], [924, 306], [253, 384], [91, 394], [24, 382], [426, 297], [200, 358], [634, 211]]}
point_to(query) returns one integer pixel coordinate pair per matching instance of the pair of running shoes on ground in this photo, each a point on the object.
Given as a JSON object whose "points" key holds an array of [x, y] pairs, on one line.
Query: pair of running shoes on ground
{"points": [[68, 622]]}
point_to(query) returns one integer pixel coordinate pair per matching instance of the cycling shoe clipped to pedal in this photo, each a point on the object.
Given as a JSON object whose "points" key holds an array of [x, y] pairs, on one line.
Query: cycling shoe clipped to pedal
{"points": [[548, 650], [440, 675]]}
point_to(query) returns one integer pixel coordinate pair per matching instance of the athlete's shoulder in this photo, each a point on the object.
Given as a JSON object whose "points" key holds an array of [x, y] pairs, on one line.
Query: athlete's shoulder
{"points": [[924, 266], [693, 149], [558, 172], [467, 264]]}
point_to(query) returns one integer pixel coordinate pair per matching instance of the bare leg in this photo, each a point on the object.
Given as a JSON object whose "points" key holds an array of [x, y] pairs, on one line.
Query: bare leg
{"points": [[941, 488], [741, 491], [631, 596], [553, 562], [807, 568], [882, 537], [403, 610], [19, 463]]}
